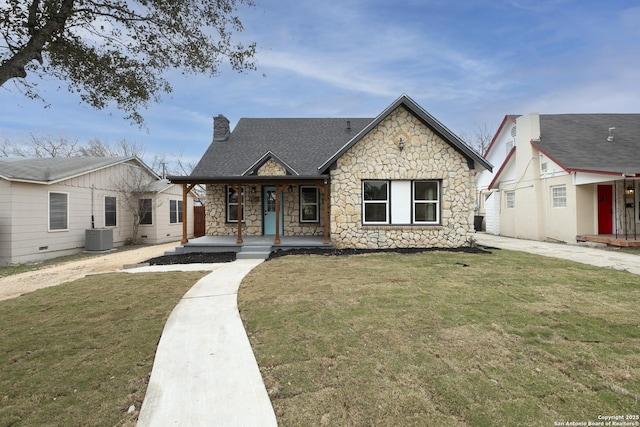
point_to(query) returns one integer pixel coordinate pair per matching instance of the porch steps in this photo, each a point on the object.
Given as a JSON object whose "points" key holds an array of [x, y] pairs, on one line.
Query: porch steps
{"points": [[254, 252]]}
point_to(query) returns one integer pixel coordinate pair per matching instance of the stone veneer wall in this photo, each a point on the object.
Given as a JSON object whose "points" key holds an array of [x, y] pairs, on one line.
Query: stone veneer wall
{"points": [[216, 209], [271, 168], [425, 156]]}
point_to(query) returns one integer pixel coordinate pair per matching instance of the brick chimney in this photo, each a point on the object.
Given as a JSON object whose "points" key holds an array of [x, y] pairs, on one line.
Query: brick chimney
{"points": [[221, 129]]}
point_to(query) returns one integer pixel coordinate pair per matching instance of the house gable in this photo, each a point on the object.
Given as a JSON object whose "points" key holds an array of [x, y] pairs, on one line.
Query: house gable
{"points": [[506, 130], [506, 171], [473, 158], [270, 165]]}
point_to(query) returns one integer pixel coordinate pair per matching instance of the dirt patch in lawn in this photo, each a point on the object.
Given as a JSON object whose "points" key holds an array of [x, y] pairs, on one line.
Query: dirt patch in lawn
{"points": [[18, 284]]}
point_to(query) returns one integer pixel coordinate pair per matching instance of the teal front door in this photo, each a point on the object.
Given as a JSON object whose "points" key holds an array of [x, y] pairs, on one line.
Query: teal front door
{"points": [[269, 209]]}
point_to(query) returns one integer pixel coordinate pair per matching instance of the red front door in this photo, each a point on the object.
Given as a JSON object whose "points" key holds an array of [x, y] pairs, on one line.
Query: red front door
{"points": [[605, 209]]}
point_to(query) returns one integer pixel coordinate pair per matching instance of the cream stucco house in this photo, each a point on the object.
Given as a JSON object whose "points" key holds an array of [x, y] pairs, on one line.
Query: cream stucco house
{"points": [[399, 180], [47, 204], [564, 177]]}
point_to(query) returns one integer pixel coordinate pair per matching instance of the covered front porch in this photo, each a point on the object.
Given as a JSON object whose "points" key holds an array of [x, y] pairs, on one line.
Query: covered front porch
{"points": [[251, 247], [622, 241], [280, 211], [616, 219]]}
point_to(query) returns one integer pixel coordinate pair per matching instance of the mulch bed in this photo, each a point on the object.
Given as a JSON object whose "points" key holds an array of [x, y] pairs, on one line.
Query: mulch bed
{"points": [[193, 258], [219, 257]]}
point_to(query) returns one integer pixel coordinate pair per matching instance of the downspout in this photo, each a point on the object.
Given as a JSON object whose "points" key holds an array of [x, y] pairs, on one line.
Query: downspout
{"points": [[93, 189]]}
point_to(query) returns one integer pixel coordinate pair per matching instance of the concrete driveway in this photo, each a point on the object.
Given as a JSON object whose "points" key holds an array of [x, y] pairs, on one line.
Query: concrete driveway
{"points": [[578, 253]]}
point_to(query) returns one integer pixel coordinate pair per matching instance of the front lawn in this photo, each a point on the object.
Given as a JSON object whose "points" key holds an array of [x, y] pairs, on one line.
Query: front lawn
{"points": [[79, 354], [444, 339]]}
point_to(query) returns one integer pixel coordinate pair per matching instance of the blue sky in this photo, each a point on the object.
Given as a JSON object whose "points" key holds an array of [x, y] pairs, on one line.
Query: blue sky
{"points": [[466, 62]]}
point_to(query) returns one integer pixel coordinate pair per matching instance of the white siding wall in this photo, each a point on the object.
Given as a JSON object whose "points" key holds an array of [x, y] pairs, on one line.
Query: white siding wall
{"points": [[5, 220], [24, 233], [496, 156], [492, 205], [167, 232], [162, 230]]}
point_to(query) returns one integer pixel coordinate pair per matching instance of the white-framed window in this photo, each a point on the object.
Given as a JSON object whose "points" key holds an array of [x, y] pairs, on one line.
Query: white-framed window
{"points": [[232, 204], [146, 211], [110, 211], [559, 196], [58, 211], [510, 197], [401, 202], [309, 204], [375, 202], [175, 211], [426, 202]]}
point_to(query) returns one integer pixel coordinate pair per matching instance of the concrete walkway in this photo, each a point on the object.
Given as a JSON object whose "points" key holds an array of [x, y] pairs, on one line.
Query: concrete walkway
{"points": [[578, 253], [205, 373]]}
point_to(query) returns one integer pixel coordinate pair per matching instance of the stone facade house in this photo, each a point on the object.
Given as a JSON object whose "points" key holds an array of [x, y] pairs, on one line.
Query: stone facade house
{"points": [[564, 177], [399, 180]]}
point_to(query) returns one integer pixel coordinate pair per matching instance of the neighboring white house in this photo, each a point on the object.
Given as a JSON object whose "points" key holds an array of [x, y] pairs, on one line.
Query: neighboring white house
{"points": [[47, 204], [488, 202], [564, 177]]}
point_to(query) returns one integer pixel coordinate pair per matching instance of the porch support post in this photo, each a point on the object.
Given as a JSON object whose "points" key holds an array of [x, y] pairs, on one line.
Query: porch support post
{"points": [[325, 193], [238, 189], [279, 190], [185, 190]]}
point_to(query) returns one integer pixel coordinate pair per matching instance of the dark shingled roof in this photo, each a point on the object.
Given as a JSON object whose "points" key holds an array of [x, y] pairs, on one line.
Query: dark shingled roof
{"points": [[303, 144], [578, 142], [305, 147]]}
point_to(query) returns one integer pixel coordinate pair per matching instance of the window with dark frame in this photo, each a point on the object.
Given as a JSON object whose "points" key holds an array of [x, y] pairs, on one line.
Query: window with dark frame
{"points": [[426, 202], [309, 204], [58, 211], [146, 212], [375, 201], [110, 214], [175, 211], [232, 204]]}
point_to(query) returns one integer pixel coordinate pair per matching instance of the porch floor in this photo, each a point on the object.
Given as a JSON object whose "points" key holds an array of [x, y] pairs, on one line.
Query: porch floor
{"points": [[611, 240], [251, 247]]}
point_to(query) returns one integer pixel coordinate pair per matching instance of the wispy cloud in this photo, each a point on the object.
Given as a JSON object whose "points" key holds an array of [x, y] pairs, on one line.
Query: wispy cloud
{"points": [[467, 62]]}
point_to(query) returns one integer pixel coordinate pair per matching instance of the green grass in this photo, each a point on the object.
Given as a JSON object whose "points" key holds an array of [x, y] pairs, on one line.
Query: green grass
{"points": [[80, 354], [389, 339]]}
